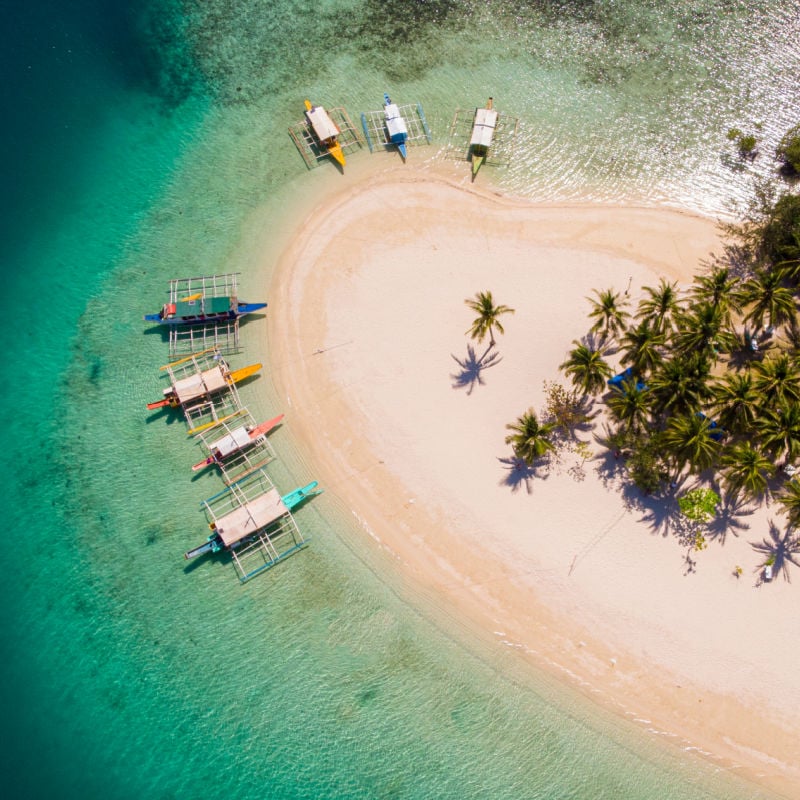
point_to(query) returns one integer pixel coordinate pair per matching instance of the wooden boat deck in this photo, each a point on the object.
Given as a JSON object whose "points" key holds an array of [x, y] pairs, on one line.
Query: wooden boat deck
{"points": [[349, 137], [377, 135], [501, 152]]}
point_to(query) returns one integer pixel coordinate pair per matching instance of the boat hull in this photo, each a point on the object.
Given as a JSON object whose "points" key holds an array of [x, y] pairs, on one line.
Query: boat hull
{"points": [[336, 153], [242, 310]]}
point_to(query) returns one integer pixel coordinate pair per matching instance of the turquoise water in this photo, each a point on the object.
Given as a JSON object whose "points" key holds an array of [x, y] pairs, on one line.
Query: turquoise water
{"points": [[145, 138]]}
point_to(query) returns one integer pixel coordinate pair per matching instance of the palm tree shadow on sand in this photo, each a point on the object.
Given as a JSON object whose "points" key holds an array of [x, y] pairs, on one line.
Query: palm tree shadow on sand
{"points": [[519, 473], [471, 368], [780, 549], [729, 518]]}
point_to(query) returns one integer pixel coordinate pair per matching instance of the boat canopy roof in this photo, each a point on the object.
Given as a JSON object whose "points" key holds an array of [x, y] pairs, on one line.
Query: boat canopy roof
{"points": [[233, 441], [250, 517], [200, 384], [483, 130], [204, 305], [395, 123], [322, 124]]}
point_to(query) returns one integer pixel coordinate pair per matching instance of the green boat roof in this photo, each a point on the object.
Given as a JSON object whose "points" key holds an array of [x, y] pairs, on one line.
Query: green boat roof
{"points": [[209, 305]]}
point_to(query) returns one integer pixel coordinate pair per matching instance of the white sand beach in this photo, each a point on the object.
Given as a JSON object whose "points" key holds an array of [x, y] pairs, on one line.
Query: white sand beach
{"points": [[569, 563]]}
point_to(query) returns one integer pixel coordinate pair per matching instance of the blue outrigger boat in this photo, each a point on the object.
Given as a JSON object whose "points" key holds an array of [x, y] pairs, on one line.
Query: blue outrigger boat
{"points": [[204, 300], [395, 125], [200, 310]]}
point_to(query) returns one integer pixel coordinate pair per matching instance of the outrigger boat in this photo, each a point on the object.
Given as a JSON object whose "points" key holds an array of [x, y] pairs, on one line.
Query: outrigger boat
{"points": [[248, 520], [396, 126], [482, 134], [237, 440], [198, 309], [202, 384], [325, 130]]}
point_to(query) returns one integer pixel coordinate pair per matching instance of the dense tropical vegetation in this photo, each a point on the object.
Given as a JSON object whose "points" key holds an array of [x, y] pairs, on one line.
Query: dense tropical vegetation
{"points": [[711, 386], [709, 383]]}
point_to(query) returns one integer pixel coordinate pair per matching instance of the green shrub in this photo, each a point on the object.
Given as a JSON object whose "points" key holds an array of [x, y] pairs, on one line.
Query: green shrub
{"points": [[788, 149], [699, 505]]}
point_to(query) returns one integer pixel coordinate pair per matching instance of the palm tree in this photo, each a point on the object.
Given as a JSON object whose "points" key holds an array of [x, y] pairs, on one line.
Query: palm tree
{"points": [[777, 380], [747, 469], [720, 289], [640, 347], [631, 406], [735, 402], [789, 498], [587, 368], [609, 313], [770, 299], [780, 430], [689, 439], [704, 330], [680, 385], [488, 317], [660, 306], [531, 438]]}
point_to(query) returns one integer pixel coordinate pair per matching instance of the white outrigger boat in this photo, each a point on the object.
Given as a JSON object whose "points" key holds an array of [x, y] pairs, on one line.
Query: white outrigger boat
{"points": [[235, 441], [396, 126], [325, 130], [482, 134]]}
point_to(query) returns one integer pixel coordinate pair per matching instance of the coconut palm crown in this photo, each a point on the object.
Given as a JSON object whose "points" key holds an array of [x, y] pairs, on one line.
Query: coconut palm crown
{"points": [[660, 305], [587, 368], [488, 318], [769, 299], [531, 438], [690, 440], [608, 312], [641, 347], [746, 470], [736, 402]]}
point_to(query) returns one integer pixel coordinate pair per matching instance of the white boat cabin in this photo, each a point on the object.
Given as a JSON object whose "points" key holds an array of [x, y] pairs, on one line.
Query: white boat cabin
{"points": [[483, 129], [395, 124], [199, 385], [324, 127], [232, 442], [250, 517]]}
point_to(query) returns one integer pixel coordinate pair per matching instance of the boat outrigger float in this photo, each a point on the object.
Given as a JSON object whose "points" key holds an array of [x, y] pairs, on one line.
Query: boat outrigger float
{"points": [[202, 384], [482, 134], [325, 130], [237, 440]]}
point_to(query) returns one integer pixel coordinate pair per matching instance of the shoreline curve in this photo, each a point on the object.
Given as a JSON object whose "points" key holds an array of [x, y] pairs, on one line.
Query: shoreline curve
{"points": [[566, 567]]}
